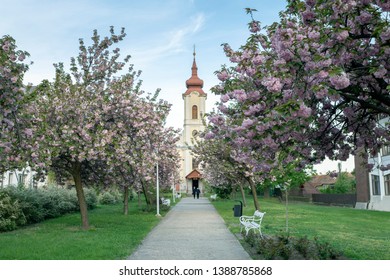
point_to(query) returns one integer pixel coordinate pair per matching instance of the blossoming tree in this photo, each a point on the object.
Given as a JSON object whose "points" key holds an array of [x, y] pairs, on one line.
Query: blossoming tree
{"points": [[309, 86], [12, 127], [98, 126], [220, 169]]}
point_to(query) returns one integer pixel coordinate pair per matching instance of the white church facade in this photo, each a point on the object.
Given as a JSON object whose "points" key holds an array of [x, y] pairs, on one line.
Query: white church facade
{"points": [[194, 108]]}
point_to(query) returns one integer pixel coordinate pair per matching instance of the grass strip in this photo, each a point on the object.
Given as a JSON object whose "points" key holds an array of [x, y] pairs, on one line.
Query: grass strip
{"points": [[112, 236], [359, 234]]}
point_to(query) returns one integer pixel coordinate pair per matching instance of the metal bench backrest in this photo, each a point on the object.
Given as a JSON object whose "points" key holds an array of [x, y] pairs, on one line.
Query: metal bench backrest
{"points": [[258, 216]]}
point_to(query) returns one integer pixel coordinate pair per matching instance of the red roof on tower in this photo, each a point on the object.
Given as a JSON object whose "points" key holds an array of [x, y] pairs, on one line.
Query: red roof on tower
{"points": [[194, 83]]}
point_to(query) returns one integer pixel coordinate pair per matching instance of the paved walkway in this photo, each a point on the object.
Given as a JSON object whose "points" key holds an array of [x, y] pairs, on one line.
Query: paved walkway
{"points": [[192, 230]]}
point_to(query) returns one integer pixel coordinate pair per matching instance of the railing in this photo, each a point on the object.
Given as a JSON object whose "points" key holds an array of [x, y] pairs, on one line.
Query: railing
{"points": [[335, 199]]}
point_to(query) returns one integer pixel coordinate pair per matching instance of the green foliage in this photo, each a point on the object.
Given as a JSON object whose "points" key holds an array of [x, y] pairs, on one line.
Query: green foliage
{"points": [[344, 184], [113, 236], [11, 216], [223, 192], [341, 227], [106, 198], [284, 247], [37, 205], [91, 198], [31, 203]]}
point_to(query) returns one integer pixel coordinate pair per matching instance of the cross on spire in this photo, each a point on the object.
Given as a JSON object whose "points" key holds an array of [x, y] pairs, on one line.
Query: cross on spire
{"points": [[194, 52]]}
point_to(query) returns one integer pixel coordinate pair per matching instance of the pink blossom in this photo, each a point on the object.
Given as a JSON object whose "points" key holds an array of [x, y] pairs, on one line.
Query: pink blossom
{"points": [[209, 136], [323, 74], [342, 35], [304, 111], [308, 16], [385, 35], [273, 84], [314, 35], [223, 76], [340, 81], [311, 3], [258, 60], [254, 26], [381, 72], [247, 123], [21, 57], [240, 95], [28, 132], [6, 46], [225, 98], [364, 17], [385, 5]]}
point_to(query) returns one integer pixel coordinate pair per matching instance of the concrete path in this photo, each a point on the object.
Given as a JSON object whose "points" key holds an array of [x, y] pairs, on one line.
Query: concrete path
{"points": [[192, 230]]}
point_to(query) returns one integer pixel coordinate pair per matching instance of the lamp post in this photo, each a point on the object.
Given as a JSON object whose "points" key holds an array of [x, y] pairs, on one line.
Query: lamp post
{"points": [[157, 189], [173, 188]]}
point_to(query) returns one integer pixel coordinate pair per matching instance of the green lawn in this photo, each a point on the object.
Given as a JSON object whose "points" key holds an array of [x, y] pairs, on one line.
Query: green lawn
{"points": [[359, 234], [112, 236]]}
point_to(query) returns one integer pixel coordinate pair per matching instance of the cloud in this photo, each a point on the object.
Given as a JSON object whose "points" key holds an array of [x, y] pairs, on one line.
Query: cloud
{"points": [[173, 41]]}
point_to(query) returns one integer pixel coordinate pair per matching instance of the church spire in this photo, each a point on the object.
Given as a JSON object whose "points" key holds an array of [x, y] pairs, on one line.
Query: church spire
{"points": [[194, 67], [194, 83]]}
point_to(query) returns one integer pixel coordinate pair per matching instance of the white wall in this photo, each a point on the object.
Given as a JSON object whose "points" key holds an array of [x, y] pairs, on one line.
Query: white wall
{"points": [[25, 176], [379, 202]]}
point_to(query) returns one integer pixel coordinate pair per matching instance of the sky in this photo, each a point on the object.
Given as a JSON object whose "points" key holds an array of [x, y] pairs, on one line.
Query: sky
{"points": [[161, 35]]}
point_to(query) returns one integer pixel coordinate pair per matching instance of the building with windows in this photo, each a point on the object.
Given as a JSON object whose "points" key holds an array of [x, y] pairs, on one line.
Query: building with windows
{"points": [[373, 187], [194, 108], [17, 177]]}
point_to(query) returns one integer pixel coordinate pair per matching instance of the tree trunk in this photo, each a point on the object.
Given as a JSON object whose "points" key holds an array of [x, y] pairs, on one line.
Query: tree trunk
{"points": [[243, 195], [146, 192], [254, 193], [126, 201], [286, 209], [266, 192], [76, 173]]}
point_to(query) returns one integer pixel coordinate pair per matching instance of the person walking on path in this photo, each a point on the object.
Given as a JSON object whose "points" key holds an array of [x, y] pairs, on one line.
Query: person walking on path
{"points": [[197, 193], [192, 230]]}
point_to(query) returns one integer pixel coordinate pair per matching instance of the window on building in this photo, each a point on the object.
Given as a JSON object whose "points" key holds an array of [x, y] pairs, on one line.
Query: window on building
{"points": [[385, 150], [375, 185], [194, 163], [10, 178], [194, 112], [22, 179], [387, 184]]}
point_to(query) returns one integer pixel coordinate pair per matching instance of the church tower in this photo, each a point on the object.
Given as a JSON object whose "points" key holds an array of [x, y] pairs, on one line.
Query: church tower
{"points": [[194, 108]]}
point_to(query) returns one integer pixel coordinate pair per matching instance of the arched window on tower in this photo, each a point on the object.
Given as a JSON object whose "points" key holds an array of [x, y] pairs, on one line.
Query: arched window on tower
{"points": [[195, 164], [194, 112]]}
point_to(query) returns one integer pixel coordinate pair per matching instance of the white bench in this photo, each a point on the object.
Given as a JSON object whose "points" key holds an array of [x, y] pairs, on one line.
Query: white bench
{"points": [[213, 197], [165, 201], [252, 222]]}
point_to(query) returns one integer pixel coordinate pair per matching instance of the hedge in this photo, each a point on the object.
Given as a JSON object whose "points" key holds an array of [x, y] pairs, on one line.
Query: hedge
{"points": [[20, 206]]}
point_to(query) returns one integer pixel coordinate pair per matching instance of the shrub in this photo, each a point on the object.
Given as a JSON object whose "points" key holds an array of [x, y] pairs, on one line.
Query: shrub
{"points": [[117, 195], [40, 204], [107, 198], [11, 215], [58, 201], [31, 203], [223, 192], [90, 198], [284, 247]]}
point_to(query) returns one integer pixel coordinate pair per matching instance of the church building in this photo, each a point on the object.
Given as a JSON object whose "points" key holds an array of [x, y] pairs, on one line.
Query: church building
{"points": [[194, 108]]}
